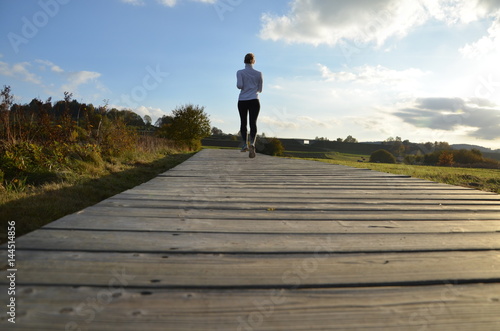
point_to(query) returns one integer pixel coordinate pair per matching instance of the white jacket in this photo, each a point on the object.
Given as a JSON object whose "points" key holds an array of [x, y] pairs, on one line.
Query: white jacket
{"points": [[249, 81]]}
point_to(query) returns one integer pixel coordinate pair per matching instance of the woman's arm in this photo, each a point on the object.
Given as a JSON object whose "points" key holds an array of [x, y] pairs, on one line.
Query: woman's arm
{"points": [[239, 80]]}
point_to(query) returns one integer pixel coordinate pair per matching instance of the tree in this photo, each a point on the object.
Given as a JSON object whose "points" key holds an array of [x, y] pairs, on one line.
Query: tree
{"points": [[216, 131], [350, 139], [5, 104], [445, 159], [163, 121], [189, 124]]}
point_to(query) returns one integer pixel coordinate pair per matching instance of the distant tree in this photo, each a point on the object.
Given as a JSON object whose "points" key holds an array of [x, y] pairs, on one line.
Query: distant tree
{"points": [[339, 140], [217, 132], [189, 124], [147, 120], [5, 103], [127, 116], [165, 120], [441, 146], [350, 139], [445, 159], [398, 147], [427, 147]]}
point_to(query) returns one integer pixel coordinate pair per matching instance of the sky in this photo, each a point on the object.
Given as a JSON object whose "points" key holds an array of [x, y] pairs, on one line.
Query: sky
{"points": [[422, 70]]}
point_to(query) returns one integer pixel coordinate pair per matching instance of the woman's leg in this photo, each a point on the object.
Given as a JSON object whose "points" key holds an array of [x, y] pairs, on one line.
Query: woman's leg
{"points": [[243, 110], [254, 109]]}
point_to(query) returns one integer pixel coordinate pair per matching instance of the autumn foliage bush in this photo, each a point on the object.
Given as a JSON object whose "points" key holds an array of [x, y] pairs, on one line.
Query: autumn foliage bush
{"points": [[46, 138], [460, 158]]}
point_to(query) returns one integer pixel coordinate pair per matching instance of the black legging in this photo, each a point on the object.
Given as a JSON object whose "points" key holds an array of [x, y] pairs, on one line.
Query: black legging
{"points": [[251, 107]]}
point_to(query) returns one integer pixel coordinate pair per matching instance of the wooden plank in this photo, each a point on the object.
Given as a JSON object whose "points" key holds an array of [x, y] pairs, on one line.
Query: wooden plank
{"points": [[97, 222], [321, 269], [277, 214], [445, 307], [121, 241], [307, 198], [311, 189], [296, 206]]}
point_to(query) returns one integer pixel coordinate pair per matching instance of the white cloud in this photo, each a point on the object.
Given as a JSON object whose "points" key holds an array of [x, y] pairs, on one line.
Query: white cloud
{"points": [[19, 71], [314, 122], [52, 66], [79, 78], [373, 75], [275, 122], [154, 113], [486, 45], [365, 21], [166, 3], [134, 2]]}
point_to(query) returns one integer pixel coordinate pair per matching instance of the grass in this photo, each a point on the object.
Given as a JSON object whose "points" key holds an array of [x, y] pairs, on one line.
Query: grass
{"points": [[481, 179], [32, 207]]}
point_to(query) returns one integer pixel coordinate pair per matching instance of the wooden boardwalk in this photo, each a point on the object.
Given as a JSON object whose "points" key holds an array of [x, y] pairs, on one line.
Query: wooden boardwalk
{"points": [[224, 242]]}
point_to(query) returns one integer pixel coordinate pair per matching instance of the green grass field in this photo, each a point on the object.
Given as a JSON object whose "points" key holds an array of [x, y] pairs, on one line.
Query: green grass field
{"points": [[481, 179]]}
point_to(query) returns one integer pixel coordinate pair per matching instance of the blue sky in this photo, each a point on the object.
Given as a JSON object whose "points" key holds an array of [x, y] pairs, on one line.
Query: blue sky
{"points": [[423, 70]]}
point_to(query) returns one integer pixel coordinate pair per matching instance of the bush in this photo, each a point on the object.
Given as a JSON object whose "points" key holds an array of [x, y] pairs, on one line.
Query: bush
{"points": [[464, 156], [446, 159], [382, 156], [460, 158], [188, 123], [272, 147]]}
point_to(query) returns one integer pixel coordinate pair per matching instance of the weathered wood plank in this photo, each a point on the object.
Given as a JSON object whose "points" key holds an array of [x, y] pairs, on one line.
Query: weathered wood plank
{"points": [[283, 206], [253, 243], [308, 198], [321, 269], [445, 307], [97, 222], [277, 214]]}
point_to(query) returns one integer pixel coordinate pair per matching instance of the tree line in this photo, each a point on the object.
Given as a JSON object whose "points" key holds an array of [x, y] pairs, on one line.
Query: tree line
{"points": [[52, 136]]}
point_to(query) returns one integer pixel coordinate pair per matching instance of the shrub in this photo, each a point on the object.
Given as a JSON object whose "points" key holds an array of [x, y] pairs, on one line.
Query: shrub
{"points": [[272, 147], [382, 156], [464, 156], [445, 159]]}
